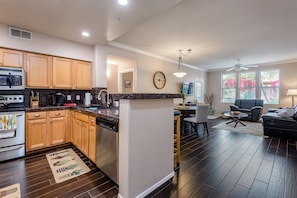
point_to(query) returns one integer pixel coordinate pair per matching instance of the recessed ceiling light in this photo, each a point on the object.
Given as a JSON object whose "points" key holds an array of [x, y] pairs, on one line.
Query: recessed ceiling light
{"points": [[123, 2], [86, 34]]}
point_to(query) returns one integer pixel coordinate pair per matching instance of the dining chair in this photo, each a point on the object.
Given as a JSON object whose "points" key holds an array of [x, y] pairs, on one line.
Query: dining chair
{"points": [[200, 118]]}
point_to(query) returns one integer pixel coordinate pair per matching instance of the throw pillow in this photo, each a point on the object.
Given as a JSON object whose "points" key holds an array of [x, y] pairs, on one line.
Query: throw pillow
{"points": [[286, 112]]}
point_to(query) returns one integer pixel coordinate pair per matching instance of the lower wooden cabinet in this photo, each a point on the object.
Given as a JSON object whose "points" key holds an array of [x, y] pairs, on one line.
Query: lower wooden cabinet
{"points": [[83, 134], [92, 138], [45, 128], [36, 130], [57, 125]]}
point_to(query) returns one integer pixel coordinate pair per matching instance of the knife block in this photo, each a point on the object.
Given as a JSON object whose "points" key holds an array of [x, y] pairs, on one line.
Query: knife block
{"points": [[34, 101]]}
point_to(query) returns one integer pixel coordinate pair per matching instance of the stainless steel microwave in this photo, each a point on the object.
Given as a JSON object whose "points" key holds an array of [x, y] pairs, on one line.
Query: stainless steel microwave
{"points": [[12, 78]]}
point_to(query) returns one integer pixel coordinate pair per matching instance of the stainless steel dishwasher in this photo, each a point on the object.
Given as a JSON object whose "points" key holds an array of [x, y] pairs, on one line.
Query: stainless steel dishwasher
{"points": [[107, 146]]}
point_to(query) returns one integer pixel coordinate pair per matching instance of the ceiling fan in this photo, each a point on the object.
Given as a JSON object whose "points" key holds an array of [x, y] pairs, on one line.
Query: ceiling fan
{"points": [[238, 66]]}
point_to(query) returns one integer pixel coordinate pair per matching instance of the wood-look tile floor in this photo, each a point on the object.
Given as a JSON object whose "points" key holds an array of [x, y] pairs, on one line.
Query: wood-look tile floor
{"points": [[228, 164], [36, 179], [225, 164]]}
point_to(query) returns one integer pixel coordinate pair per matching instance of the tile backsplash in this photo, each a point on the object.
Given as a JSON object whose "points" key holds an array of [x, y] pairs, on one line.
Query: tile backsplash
{"points": [[77, 96]]}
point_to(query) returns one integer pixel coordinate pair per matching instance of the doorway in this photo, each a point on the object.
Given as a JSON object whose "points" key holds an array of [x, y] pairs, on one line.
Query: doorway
{"points": [[121, 74]]}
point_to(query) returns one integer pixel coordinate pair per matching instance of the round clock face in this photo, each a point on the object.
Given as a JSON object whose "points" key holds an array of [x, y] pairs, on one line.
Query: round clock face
{"points": [[159, 80]]}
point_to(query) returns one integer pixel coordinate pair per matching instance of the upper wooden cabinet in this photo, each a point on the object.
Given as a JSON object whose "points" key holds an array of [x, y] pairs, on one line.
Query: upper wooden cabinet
{"points": [[11, 58], [62, 73], [39, 70], [82, 75]]}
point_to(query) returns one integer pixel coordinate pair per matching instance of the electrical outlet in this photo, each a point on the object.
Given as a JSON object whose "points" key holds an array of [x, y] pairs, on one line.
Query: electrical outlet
{"points": [[77, 97], [68, 97]]}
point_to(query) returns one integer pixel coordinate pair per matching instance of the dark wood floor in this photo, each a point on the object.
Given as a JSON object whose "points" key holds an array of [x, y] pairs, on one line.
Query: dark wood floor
{"points": [[228, 164], [225, 164], [36, 179]]}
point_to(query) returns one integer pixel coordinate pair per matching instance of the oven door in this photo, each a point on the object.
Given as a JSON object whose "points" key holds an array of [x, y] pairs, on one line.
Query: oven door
{"points": [[14, 136]]}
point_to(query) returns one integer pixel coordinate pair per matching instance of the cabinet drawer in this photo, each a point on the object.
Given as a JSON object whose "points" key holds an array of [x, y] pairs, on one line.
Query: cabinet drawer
{"points": [[36, 115], [82, 117], [55, 114], [92, 121]]}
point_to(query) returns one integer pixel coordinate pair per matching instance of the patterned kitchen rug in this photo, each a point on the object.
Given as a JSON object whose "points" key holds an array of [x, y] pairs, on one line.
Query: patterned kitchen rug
{"points": [[66, 164], [12, 191]]}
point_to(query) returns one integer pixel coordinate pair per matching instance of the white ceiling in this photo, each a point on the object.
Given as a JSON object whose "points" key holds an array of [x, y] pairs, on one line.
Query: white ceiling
{"points": [[217, 31]]}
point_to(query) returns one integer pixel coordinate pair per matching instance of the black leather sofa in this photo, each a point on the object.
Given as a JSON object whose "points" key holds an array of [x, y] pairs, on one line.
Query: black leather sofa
{"points": [[253, 107], [280, 127]]}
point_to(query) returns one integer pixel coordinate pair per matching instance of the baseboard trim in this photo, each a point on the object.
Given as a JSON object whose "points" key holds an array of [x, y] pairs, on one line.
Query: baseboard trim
{"points": [[153, 187]]}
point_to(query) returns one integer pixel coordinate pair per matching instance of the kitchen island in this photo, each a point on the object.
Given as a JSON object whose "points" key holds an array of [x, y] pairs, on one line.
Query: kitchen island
{"points": [[146, 158]]}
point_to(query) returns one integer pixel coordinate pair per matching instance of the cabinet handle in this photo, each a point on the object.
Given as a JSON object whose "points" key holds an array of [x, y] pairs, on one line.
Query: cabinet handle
{"points": [[92, 121], [57, 114], [36, 115]]}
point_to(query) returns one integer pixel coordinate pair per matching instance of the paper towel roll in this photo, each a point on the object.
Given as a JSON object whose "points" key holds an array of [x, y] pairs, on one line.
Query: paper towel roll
{"points": [[87, 99]]}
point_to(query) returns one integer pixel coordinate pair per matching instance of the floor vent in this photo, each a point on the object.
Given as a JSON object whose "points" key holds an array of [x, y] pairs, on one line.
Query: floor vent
{"points": [[19, 33]]}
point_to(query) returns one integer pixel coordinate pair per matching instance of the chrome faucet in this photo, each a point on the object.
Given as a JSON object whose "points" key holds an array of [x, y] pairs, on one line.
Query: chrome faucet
{"points": [[100, 98]]}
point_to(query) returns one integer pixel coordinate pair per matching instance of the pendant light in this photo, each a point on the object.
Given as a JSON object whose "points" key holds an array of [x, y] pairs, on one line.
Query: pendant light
{"points": [[180, 73]]}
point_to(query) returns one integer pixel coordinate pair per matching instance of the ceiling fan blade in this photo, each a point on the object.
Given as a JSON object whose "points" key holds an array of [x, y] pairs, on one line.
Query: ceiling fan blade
{"points": [[230, 69], [244, 68], [251, 65]]}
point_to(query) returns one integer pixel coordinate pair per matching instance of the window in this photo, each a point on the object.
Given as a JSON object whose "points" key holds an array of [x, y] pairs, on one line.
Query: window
{"points": [[198, 91], [247, 88], [229, 85], [269, 86], [247, 85]]}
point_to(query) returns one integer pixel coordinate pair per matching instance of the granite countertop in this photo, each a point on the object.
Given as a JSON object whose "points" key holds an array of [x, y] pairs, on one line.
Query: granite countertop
{"points": [[110, 113]]}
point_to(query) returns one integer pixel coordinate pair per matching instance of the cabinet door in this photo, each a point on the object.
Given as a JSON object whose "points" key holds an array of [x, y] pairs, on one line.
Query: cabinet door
{"points": [[57, 130], [11, 58], [36, 136], [85, 138], [62, 73], [92, 143], [76, 133], [39, 70], [83, 75]]}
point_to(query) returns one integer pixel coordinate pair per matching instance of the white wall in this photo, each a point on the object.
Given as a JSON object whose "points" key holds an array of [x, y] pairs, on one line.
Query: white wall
{"points": [[44, 44], [147, 66], [287, 80]]}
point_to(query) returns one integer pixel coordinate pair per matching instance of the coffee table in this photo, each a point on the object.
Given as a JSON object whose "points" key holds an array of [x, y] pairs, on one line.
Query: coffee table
{"points": [[235, 117]]}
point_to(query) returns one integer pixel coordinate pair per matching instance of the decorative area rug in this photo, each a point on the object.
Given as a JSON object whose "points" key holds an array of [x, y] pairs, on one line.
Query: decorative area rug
{"points": [[66, 164], [212, 117], [251, 128], [12, 191]]}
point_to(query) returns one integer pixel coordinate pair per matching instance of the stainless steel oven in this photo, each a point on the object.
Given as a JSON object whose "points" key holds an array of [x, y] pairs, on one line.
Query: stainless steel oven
{"points": [[12, 124], [12, 78], [12, 141]]}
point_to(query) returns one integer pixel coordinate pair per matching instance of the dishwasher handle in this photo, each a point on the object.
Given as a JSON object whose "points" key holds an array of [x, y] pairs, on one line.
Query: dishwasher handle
{"points": [[108, 125]]}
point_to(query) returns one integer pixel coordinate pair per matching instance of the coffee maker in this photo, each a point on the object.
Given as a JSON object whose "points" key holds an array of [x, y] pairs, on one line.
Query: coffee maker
{"points": [[58, 99]]}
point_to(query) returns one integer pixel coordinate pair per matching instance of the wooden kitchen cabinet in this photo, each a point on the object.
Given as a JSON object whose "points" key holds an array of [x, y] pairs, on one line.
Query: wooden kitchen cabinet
{"points": [[11, 58], [57, 126], [36, 130], [85, 138], [83, 133], [45, 128], [82, 75], [39, 70], [62, 73], [92, 138]]}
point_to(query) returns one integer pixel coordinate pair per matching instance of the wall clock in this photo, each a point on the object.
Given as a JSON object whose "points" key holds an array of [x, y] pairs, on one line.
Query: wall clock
{"points": [[159, 80]]}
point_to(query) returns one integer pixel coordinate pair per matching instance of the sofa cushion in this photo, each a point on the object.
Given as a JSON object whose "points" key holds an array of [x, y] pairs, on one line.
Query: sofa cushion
{"points": [[295, 116]]}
